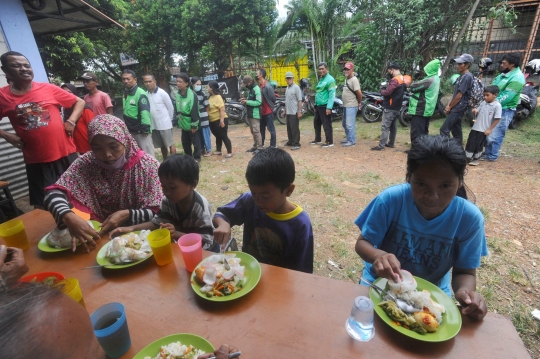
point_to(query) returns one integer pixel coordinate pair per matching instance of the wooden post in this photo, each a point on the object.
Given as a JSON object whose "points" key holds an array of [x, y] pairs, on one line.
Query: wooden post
{"points": [[488, 38], [534, 29]]}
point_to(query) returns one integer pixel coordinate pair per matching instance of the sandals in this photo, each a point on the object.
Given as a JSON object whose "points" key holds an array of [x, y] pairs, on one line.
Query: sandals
{"points": [[229, 155], [207, 154], [217, 153]]}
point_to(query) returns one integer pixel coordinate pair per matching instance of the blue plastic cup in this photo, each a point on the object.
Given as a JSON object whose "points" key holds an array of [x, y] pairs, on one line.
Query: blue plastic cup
{"points": [[111, 329]]}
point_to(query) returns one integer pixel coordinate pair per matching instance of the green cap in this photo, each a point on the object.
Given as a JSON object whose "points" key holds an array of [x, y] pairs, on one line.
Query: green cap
{"points": [[289, 74]]}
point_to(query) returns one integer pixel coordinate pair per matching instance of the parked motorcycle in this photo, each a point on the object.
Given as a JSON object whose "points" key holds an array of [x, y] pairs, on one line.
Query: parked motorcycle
{"points": [[236, 112], [372, 106], [528, 97], [279, 110]]}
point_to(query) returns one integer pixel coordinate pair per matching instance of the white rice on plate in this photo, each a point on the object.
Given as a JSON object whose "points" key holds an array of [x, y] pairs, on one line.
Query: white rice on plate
{"points": [[420, 299], [177, 350]]}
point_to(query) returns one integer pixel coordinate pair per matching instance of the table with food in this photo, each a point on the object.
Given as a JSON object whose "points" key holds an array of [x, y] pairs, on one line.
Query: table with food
{"points": [[265, 311]]}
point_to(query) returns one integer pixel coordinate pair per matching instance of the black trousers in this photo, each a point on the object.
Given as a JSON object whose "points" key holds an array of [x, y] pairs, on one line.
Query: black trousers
{"points": [[419, 126], [192, 139], [293, 130], [220, 133], [453, 124], [321, 118]]}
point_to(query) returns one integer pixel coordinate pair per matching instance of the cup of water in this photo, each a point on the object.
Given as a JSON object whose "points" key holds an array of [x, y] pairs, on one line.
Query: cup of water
{"points": [[111, 329], [360, 323]]}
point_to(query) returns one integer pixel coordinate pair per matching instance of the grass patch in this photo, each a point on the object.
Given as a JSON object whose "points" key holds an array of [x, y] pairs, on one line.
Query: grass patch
{"points": [[485, 212]]}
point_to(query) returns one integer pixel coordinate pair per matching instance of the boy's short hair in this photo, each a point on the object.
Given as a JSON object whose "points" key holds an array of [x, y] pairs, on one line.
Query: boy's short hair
{"points": [[180, 167], [271, 165], [492, 89]]}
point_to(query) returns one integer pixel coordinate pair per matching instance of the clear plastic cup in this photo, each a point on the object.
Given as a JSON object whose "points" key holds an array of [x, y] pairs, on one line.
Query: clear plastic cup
{"points": [[160, 242], [191, 248], [360, 323], [111, 329], [13, 233]]}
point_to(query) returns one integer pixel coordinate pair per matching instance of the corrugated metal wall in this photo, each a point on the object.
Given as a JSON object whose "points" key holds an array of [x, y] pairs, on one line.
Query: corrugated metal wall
{"points": [[12, 167]]}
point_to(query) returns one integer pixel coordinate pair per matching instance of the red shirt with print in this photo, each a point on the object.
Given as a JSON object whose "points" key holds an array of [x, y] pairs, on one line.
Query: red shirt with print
{"points": [[80, 135], [35, 117]]}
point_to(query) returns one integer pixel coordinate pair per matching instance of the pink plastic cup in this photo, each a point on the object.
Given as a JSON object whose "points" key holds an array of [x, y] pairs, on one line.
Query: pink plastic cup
{"points": [[191, 247]]}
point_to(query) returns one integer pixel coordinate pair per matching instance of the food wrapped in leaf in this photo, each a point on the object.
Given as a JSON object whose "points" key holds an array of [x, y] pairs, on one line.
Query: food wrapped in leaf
{"points": [[396, 314], [129, 248], [61, 238]]}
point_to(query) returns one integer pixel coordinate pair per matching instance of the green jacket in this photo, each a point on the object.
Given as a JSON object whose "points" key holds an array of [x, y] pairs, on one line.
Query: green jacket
{"points": [[187, 110], [326, 92], [425, 93], [254, 102], [510, 86], [137, 111]]}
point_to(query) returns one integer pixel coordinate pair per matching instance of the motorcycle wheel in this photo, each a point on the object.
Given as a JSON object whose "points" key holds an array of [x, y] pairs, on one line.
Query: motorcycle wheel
{"points": [[513, 124], [281, 114], [370, 115], [404, 117]]}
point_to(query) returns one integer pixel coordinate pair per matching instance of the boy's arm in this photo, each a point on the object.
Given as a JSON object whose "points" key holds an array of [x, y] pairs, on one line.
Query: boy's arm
{"points": [[493, 125], [231, 214], [222, 230], [302, 256], [138, 227]]}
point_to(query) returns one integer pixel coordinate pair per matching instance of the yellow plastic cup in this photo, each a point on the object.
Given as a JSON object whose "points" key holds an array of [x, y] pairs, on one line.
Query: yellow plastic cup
{"points": [[160, 242], [13, 233], [72, 289]]}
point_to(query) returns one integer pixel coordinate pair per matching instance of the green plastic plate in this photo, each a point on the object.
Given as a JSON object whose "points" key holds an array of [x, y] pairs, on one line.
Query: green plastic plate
{"points": [[104, 262], [152, 350], [252, 274], [451, 319], [45, 247]]}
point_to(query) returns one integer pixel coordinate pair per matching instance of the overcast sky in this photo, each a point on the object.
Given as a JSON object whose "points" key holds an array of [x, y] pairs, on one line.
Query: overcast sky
{"points": [[281, 8]]}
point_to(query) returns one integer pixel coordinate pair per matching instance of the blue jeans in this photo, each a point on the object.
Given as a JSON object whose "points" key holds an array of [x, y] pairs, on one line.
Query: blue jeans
{"points": [[267, 121], [349, 123], [205, 138], [496, 137]]}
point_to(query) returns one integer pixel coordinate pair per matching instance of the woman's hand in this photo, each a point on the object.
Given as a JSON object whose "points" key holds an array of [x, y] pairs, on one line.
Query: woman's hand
{"points": [[114, 220], [80, 231], [221, 353], [221, 123], [473, 303], [15, 267], [119, 231], [387, 266], [69, 128]]}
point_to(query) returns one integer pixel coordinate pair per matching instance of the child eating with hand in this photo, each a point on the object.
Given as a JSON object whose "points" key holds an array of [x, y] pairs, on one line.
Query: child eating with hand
{"points": [[183, 210]]}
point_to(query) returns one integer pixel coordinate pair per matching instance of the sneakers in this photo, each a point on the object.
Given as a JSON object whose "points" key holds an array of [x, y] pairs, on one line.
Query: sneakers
{"points": [[252, 149], [406, 151], [377, 148], [387, 145], [294, 148], [315, 143], [327, 144], [474, 163], [288, 144], [348, 144], [343, 141]]}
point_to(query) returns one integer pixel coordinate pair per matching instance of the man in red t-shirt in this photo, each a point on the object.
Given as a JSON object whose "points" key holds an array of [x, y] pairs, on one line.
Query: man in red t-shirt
{"points": [[267, 108], [98, 101], [33, 110]]}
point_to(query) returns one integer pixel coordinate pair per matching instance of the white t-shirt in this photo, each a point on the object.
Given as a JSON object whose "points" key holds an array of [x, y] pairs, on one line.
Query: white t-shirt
{"points": [[487, 112], [161, 110]]}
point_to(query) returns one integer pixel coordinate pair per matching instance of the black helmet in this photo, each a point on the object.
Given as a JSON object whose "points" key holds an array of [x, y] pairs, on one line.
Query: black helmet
{"points": [[485, 62], [304, 83]]}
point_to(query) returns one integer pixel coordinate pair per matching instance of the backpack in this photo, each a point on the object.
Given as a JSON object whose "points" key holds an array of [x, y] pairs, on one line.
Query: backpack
{"points": [[477, 92]]}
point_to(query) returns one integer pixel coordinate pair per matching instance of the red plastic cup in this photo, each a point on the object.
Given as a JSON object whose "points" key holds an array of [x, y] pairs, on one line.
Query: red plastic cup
{"points": [[191, 248]]}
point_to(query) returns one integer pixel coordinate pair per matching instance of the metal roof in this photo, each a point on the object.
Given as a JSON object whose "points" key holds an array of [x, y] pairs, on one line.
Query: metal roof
{"points": [[50, 17]]}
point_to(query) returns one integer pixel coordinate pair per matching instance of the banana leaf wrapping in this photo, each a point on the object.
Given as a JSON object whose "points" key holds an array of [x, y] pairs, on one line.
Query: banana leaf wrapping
{"points": [[396, 314]]}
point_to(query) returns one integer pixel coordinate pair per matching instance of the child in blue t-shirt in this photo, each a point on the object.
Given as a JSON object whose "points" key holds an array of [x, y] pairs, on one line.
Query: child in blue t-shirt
{"points": [[423, 227], [276, 231]]}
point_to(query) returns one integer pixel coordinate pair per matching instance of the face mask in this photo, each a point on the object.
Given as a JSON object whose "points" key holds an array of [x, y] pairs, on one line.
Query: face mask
{"points": [[198, 88], [116, 165], [389, 76]]}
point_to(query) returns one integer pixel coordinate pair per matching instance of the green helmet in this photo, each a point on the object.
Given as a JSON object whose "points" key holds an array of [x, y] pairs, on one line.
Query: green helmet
{"points": [[454, 78]]}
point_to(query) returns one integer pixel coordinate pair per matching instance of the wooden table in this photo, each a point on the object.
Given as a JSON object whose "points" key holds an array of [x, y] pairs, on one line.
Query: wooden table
{"points": [[288, 315]]}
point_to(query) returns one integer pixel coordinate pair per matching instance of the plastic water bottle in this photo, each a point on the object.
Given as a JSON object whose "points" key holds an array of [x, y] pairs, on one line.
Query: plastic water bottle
{"points": [[360, 323]]}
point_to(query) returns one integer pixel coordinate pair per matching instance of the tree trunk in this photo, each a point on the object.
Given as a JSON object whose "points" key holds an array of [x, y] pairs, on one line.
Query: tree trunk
{"points": [[313, 50], [453, 49]]}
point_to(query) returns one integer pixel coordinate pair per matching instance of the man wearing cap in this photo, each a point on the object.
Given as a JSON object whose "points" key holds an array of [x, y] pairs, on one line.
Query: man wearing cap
{"points": [[137, 112], [33, 108], [98, 101], [293, 110], [392, 101], [352, 98], [253, 103], [324, 102], [161, 114], [510, 82], [460, 100]]}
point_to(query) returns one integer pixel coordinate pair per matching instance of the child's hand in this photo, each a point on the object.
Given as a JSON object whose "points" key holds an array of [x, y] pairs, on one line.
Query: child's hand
{"points": [[487, 132], [475, 111], [387, 266], [473, 304], [222, 233], [120, 230], [168, 226]]}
